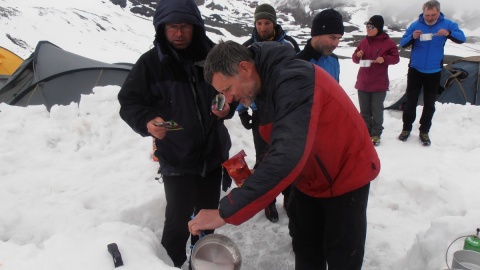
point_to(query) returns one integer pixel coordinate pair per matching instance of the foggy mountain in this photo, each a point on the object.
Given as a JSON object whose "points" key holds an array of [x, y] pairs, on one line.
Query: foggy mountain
{"points": [[227, 19], [397, 15]]}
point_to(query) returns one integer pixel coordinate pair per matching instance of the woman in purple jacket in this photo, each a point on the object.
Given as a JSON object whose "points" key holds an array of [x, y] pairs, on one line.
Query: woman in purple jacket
{"points": [[374, 53]]}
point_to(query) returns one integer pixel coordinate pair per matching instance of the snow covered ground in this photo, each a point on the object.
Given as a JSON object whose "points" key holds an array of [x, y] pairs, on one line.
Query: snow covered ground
{"points": [[78, 178]]}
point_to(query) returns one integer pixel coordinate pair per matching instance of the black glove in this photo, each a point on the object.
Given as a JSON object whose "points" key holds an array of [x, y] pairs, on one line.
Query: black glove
{"points": [[226, 180], [246, 120]]}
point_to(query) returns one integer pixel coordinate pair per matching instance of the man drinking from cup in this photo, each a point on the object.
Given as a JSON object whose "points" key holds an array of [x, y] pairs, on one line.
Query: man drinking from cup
{"points": [[427, 36]]}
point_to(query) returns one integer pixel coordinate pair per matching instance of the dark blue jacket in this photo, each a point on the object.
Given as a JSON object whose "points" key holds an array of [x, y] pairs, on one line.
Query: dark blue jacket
{"points": [[280, 36], [427, 56], [168, 83]]}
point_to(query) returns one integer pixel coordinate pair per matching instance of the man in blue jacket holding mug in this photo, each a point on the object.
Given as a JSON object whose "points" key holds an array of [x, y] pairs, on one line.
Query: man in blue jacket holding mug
{"points": [[427, 36]]}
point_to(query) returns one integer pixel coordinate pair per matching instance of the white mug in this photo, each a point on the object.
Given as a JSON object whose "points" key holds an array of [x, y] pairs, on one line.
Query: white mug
{"points": [[426, 37], [365, 63]]}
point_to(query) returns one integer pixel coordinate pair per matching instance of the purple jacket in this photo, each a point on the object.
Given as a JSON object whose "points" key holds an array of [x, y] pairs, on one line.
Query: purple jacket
{"points": [[375, 77]]}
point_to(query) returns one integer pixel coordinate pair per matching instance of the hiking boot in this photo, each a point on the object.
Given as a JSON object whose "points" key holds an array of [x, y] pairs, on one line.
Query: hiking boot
{"points": [[376, 140], [404, 135], [271, 212], [425, 138]]}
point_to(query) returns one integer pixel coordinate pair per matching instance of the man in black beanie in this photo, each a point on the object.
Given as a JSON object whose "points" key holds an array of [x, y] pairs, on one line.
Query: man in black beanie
{"points": [[327, 29], [266, 29]]}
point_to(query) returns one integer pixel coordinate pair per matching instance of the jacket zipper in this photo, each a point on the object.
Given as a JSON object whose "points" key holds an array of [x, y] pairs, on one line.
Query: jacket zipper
{"points": [[199, 115], [325, 173]]}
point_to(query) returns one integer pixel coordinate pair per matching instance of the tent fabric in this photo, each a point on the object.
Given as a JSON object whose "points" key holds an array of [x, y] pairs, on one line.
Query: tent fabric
{"points": [[459, 84], [9, 62], [53, 76], [4, 79]]}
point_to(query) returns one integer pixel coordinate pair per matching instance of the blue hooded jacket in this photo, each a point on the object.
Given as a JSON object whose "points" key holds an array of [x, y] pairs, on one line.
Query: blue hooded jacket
{"points": [[427, 56]]}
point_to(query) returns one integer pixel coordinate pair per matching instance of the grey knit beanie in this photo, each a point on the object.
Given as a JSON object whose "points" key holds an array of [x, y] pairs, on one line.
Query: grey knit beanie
{"points": [[265, 11]]}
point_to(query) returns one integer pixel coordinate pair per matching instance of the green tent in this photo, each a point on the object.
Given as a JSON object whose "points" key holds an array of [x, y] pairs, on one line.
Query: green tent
{"points": [[53, 76]]}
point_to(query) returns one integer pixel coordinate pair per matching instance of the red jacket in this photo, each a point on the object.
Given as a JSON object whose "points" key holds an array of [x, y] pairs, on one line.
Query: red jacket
{"points": [[375, 77], [318, 140]]}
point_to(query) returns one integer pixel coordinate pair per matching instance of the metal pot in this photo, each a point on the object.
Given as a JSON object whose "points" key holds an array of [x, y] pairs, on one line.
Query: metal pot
{"points": [[466, 259], [216, 252]]}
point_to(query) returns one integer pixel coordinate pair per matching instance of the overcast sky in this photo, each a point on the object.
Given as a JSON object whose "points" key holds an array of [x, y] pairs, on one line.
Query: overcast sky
{"points": [[406, 11]]}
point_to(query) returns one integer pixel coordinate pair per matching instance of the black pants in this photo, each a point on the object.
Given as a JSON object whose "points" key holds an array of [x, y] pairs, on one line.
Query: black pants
{"points": [[328, 231], [430, 82], [187, 195]]}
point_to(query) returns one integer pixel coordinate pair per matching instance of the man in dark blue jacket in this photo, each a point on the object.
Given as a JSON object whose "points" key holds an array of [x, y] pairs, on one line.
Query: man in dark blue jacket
{"points": [[427, 36], [167, 84]]}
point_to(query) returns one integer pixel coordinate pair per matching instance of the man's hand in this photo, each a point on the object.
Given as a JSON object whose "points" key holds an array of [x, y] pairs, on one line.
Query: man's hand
{"points": [[156, 131], [443, 32], [246, 119], [416, 34], [221, 113], [206, 219]]}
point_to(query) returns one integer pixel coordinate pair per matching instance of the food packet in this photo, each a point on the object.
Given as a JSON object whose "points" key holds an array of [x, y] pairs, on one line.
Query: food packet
{"points": [[237, 168]]}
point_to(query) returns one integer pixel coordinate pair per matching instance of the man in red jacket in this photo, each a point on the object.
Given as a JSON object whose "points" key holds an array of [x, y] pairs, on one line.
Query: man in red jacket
{"points": [[318, 142]]}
